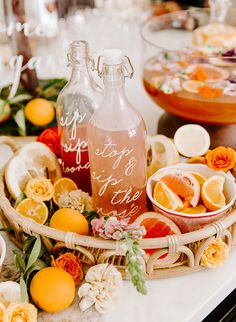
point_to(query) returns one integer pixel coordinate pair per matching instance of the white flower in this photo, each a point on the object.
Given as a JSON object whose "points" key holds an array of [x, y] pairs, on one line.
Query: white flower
{"points": [[101, 288], [76, 199], [9, 292]]}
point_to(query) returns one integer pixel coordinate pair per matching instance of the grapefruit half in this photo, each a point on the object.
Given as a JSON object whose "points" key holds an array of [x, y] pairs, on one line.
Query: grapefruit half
{"points": [[158, 225]]}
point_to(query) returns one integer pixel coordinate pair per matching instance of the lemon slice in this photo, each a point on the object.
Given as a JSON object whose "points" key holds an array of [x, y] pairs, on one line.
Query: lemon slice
{"points": [[36, 211], [16, 176], [192, 86], [192, 140], [39, 160], [162, 153], [213, 193]]}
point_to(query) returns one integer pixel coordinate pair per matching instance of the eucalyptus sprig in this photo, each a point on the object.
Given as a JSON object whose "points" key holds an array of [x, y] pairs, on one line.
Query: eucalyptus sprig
{"points": [[134, 266]]}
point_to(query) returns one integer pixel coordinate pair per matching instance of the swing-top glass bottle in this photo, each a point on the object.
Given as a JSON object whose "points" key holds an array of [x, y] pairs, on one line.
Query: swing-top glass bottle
{"points": [[75, 106]]}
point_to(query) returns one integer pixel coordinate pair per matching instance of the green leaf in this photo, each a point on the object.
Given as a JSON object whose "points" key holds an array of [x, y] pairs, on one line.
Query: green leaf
{"points": [[28, 243], [20, 98], [19, 261], [23, 291], [19, 118], [34, 255], [37, 266]]}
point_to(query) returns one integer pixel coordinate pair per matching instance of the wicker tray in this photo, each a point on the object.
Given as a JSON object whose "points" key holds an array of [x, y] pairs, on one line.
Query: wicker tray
{"points": [[93, 250]]}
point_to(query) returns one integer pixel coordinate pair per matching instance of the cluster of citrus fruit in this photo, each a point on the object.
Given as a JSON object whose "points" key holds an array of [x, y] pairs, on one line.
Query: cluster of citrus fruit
{"points": [[189, 191], [26, 178]]}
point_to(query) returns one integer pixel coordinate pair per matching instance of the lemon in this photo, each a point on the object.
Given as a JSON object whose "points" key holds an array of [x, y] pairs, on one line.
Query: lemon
{"points": [[36, 211], [39, 112]]}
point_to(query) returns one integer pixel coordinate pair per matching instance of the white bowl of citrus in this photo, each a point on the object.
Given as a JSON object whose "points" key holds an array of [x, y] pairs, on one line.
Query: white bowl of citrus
{"points": [[192, 195]]}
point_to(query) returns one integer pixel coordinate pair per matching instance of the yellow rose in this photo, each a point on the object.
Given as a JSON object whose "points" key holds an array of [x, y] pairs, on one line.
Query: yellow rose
{"points": [[39, 189], [215, 254], [20, 312]]}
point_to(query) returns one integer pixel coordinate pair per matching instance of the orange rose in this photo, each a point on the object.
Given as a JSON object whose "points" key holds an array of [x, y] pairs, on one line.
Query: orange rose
{"points": [[71, 264], [221, 158]]}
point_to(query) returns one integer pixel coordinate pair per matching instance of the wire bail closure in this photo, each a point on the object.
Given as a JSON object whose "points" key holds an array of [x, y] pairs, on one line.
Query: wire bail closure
{"points": [[126, 65]]}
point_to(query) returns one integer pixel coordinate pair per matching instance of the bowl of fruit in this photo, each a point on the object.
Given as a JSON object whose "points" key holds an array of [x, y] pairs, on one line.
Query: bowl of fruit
{"points": [[192, 195]]}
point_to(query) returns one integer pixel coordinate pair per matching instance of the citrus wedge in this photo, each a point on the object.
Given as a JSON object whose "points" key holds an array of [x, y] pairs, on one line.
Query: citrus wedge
{"points": [[213, 193], [16, 176], [36, 211], [40, 160], [182, 183], [166, 197], [162, 153], [191, 140], [200, 178], [200, 209], [158, 225], [62, 185]]}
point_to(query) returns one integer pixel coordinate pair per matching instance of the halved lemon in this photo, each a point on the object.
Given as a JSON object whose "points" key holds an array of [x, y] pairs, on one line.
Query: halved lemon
{"points": [[213, 193], [40, 160], [36, 211], [161, 153], [62, 185], [166, 197], [200, 209], [191, 140], [16, 176]]}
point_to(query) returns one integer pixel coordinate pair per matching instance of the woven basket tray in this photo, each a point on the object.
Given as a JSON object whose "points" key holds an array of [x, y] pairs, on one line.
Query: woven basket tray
{"points": [[185, 250]]}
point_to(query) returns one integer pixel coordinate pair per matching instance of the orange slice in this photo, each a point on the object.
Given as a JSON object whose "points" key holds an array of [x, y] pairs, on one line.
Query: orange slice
{"points": [[207, 72], [158, 225], [200, 178], [213, 193], [166, 197], [200, 209], [192, 86], [62, 185], [36, 211], [183, 184]]}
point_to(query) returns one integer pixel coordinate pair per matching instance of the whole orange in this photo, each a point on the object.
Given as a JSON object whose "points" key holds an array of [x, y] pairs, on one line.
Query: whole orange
{"points": [[68, 219], [5, 111], [52, 289], [39, 111]]}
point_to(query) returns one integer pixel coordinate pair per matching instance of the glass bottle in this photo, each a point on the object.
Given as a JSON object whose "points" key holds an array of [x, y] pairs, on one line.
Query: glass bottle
{"points": [[75, 105], [117, 145]]}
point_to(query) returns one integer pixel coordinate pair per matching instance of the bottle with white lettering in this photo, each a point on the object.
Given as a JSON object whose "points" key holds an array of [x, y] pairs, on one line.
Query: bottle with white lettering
{"points": [[117, 144], [75, 105]]}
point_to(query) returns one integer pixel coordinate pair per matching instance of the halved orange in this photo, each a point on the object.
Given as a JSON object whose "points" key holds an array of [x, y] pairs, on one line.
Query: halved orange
{"points": [[158, 225], [37, 211], [166, 197], [207, 72], [62, 185], [183, 184], [200, 209], [213, 193]]}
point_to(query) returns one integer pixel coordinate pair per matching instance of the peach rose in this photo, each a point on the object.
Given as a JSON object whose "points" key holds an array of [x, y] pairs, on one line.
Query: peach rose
{"points": [[39, 189], [20, 312], [221, 158], [215, 254], [71, 264]]}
